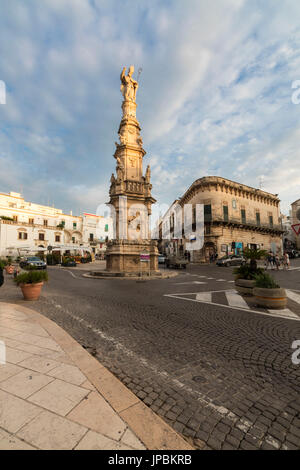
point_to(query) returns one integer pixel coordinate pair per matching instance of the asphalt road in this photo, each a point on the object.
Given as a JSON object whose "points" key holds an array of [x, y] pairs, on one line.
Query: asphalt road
{"points": [[221, 376]]}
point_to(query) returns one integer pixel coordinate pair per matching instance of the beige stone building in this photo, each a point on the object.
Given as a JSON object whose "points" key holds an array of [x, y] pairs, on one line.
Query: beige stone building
{"points": [[235, 216], [295, 219]]}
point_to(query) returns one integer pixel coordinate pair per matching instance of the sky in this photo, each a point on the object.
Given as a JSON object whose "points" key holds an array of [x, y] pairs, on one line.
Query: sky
{"points": [[214, 98]]}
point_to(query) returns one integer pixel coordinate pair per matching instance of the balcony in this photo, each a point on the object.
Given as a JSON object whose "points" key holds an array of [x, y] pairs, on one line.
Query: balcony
{"points": [[27, 224], [250, 225]]}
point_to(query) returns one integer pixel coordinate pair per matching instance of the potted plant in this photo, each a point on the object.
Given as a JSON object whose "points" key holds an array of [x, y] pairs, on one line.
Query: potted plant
{"points": [[268, 293], [68, 261], [253, 255], [31, 283], [8, 266], [245, 278]]}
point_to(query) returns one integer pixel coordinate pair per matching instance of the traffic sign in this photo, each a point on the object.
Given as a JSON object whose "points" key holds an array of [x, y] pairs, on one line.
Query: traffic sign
{"points": [[296, 228]]}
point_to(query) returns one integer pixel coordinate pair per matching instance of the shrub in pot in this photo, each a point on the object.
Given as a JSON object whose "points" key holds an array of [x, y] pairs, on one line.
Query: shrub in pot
{"points": [[253, 255], [31, 283], [268, 293], [245, 278]]}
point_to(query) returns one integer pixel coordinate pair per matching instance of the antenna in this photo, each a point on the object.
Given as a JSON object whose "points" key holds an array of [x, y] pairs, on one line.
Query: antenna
{"points": [[261, 181], [139, 73]]}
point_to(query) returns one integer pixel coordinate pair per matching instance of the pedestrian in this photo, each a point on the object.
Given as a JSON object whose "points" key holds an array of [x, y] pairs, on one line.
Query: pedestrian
{"points": [[286, 260], [269, 260], [277, 262], [273, 261]]}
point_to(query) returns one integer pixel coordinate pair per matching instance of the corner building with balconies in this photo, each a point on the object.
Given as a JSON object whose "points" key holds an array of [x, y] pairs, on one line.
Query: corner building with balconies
{"points": [[235, 216]]}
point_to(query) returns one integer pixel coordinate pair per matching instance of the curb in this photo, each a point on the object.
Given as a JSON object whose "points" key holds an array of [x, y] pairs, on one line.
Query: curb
{"points": [[134, 278], [154, 433]]}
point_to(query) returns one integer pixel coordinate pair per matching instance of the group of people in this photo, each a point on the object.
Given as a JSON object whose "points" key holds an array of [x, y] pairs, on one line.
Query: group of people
{"points": [[275, 261]]}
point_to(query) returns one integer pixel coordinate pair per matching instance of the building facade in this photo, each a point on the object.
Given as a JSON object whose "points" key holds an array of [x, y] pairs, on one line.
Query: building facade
{"points": [[295, 219], [235, 216], [29, 227]]}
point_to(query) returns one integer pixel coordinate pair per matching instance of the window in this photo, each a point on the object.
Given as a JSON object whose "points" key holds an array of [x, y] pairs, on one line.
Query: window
{"points": [[22, 236], [106, 228], [271, 220], [207, 212], [57, 238], [41, 236], [31, 221], [74, 225], [243, 216], [45, 223], [15, 217], [91, 237], [225, 213], [258, 218], [73, 239], [207, 229]]}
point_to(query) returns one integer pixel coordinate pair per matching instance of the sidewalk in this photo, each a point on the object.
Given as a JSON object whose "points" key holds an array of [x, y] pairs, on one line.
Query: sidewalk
{"points": [[54, 395]]}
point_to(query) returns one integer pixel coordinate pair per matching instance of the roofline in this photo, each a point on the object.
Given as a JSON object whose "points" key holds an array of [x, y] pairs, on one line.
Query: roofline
{"points": [[208, 179]]}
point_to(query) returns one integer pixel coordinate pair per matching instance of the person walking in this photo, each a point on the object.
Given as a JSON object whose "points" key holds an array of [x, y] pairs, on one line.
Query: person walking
{"points": [[286, 260], [269, 260], [277, 262]]}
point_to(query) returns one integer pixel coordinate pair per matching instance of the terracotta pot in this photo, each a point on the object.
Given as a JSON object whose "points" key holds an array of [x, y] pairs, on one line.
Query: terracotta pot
{"points": [[9, 269], [31, 291], [244, 286], [270, 298]]}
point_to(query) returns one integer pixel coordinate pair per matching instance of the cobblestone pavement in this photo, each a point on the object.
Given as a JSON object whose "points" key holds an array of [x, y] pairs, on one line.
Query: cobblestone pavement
{"points": [[221, 377]]}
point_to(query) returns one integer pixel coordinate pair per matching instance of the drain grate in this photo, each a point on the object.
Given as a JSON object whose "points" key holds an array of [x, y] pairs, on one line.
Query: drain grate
{"points": [[199, 379]]}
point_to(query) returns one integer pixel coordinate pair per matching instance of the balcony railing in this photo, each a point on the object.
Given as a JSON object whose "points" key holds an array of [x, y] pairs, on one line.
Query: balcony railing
{"points": [[27, 224], [248, 223]]}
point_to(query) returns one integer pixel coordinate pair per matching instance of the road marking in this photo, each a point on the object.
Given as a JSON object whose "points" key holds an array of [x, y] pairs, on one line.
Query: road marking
{"points": [[236, 300], [72, 274], [291, 295], [268, 314], [284, 311], [190, 282], [219, 280], [204, 296]]}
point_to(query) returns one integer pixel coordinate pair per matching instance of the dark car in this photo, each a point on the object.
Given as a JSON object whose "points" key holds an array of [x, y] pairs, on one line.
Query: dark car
{"points": [[176, 262], [33, 262], [161, 259], [231, 260]]}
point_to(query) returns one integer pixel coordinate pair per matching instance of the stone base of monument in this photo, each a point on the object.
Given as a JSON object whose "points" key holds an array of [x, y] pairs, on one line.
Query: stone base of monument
{"points": [[132, 259], [132, 256]]}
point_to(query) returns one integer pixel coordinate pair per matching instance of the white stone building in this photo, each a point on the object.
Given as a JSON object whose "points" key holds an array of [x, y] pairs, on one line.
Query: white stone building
{"points": [[26, 227]]}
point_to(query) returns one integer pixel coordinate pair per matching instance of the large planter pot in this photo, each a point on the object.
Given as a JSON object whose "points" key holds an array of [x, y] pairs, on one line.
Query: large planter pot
{"points": [[31, 291], [270, 298], [244, 286]]}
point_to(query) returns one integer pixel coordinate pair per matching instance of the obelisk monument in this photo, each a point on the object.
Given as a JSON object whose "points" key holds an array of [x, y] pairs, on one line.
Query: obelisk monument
{"points": [[132, 250]]}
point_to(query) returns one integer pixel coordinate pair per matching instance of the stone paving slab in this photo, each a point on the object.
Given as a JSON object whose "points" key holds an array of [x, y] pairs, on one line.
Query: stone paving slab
{"points": [[55, 395]]}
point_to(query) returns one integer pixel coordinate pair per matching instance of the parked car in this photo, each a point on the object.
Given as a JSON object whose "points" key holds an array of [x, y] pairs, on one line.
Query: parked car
{"points": [[161, 259], [176, 262], [33, 262], [293, 253], [231, 260]]}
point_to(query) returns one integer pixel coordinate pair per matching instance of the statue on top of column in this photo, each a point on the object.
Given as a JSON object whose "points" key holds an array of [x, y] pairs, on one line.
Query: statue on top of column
{"points": [[129, 86]]}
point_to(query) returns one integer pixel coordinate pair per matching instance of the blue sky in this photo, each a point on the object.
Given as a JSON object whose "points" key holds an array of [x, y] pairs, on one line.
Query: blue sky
{"points": [[214, 96]]}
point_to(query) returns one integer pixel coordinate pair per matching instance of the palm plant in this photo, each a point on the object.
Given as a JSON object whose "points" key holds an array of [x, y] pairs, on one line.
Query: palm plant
{"points": [[253, 255]]}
